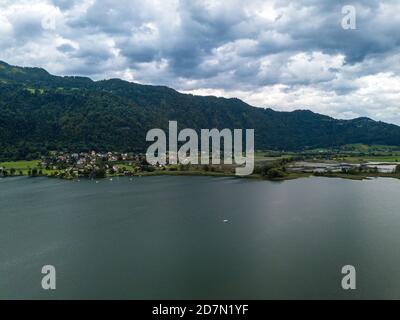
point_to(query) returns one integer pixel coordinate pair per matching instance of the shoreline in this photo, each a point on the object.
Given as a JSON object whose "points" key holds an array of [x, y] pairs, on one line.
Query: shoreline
{"points": [[290, 176]]}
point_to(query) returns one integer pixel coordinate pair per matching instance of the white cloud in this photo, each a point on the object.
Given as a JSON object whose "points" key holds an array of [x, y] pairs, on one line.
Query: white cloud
{"points": [[281, 54], [377, 96]]}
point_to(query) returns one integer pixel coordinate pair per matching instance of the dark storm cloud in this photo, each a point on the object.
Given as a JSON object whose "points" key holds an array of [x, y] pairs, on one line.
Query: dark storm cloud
{"points": [[281, 47], [65, 48], [188, 33], [375, 33]]}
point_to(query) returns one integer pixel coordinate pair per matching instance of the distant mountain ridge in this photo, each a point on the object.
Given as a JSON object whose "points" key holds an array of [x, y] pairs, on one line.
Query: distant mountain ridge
{"points": [[42, 112]]}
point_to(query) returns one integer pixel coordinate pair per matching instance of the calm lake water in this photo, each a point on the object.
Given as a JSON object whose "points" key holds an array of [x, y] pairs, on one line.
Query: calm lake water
{"points": [[165, 238]]}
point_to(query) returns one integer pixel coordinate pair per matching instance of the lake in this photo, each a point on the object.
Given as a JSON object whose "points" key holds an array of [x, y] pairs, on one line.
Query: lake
{"points": [[171, 237]]}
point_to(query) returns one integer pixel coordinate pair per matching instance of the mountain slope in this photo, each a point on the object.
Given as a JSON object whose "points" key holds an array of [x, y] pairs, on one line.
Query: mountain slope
{"points": [[41, 112]]}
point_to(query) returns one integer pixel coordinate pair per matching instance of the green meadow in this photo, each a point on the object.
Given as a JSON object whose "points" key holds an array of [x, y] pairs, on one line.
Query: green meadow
{"points": [[20, 165], [23, 166]]}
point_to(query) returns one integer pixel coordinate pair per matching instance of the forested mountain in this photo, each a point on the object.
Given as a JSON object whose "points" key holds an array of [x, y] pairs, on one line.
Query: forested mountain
{"points": [[41, 112]]}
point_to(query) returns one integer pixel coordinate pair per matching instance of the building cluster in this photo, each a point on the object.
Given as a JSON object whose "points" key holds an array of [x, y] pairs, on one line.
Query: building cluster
{"points": [[92, 164]]}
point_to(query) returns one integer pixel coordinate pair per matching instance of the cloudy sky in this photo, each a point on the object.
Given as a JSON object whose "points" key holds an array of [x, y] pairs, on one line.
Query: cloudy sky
{"points": [[282, 54]]}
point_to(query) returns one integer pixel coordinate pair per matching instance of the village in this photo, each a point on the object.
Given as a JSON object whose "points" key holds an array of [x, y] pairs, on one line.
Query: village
{"points": [[92, 164]]}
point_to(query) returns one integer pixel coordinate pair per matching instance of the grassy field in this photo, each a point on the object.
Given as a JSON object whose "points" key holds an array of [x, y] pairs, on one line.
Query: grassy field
{"points": [[262, 156], [23, 166], [20, 164]]}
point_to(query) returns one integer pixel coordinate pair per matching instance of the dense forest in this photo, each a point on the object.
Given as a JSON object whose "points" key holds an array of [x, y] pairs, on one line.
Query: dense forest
{"points": [[40, 112]]}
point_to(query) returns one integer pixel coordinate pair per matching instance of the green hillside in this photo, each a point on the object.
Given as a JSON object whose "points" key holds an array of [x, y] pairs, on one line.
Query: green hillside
{"points": [[42, 112]]}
